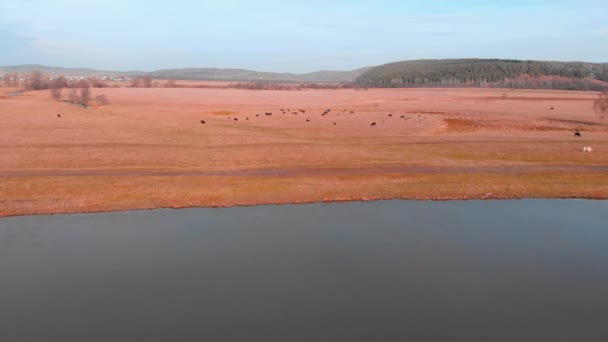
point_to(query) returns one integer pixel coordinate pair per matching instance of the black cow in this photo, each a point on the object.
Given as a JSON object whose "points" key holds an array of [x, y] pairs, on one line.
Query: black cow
{"points": [[373, 124], [203, 122], [577, 133]]}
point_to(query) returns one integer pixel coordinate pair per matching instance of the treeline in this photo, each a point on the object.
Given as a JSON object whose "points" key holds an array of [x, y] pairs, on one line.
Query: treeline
{"points": [[488, 73], [11, 80], [263, 85], [600, 105], [288, 86], [36, 80], [79, 90]]}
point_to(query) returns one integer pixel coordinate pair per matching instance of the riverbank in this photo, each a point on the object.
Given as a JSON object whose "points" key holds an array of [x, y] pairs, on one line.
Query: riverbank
{"points": [[68, 194]]}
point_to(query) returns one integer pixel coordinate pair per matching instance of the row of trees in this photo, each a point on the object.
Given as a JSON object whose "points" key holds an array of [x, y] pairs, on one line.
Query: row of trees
{"points": [[482, 73], [36, 80], [601, 105], [11, 80], [141, 81], [298, 86], [79, 90]]}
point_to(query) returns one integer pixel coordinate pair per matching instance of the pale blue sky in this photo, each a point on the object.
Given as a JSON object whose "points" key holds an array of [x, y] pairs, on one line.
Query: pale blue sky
{"points": [[295, 36]]}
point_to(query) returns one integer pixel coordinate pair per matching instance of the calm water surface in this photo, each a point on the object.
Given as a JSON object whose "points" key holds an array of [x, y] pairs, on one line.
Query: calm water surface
{"points": [[522, 270]]}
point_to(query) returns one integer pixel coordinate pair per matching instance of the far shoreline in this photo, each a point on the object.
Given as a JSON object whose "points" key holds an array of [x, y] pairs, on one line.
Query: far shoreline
{"points": [[338, 201]]}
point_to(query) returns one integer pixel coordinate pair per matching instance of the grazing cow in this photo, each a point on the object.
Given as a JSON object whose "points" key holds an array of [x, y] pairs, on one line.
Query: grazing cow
{"points": [[323, 114], [352, 112], [257, 115], [552, 108], [307, 120], [587, 149], [390, 115], [203, 122], [59, 115], [334, 123], [247, 119], [577, 134], [373, 124], [235, 119]]}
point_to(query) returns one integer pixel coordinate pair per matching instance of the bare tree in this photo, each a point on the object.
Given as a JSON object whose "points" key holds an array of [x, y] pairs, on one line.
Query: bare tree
{"points": [[601, 105], [35, 81], [85, 91], [101, 100], [73, 96], [56, 87], [11, 80], [56, 94], [61, 82], [135, 81], [97, 83], [147, 81]]}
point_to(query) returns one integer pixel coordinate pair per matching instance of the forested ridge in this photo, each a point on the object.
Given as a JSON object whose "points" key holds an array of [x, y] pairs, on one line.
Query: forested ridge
{"points": [[488, 73]]}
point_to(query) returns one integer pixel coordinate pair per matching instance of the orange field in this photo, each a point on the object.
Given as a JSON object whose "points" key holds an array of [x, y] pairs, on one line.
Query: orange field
{"points": [[149, 148]]}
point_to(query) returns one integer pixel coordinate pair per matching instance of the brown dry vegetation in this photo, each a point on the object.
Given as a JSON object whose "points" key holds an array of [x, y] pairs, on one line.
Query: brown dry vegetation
{"points": [[149, 149]]}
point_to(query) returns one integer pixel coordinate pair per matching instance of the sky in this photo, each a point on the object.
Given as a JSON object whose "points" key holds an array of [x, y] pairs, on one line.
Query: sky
{"points": [[295, 36]]}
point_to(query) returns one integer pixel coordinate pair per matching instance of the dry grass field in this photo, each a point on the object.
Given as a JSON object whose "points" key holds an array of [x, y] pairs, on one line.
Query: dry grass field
{"points": [[149, 148]]}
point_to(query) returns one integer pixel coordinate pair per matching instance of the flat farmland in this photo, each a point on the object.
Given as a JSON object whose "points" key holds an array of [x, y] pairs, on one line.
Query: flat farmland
{"points": [[150, 148]]}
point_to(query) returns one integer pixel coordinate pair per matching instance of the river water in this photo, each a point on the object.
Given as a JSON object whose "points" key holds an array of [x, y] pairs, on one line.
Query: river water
{"points": [[517, 270]]}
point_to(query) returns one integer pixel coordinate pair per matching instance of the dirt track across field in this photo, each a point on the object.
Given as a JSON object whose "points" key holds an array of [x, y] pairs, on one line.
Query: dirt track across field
{"points": [[380, 170]]}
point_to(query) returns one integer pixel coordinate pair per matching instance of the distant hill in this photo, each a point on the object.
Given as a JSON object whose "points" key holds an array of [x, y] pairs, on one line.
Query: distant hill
{"points": [[199, 74], [250, 75], [488, 73], [417, 73]]}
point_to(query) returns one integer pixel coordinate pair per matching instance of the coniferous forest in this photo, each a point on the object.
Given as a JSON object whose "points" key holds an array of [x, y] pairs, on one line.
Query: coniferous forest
{"points": [[488, 73]]}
